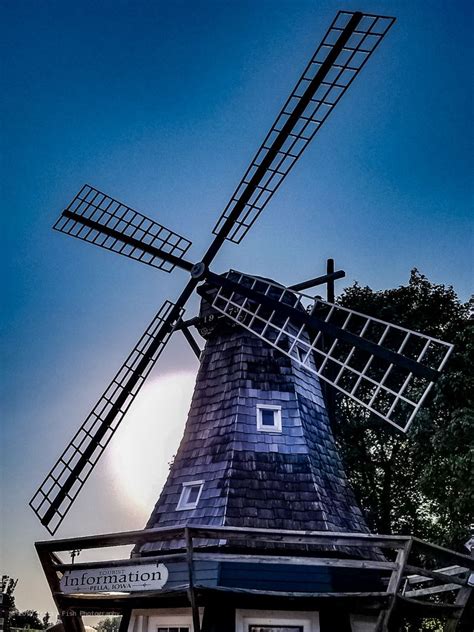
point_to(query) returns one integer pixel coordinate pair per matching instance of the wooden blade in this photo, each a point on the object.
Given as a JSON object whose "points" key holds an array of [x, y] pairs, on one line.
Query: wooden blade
{"points": [[346, 47], [65, 480], [385, 368], [99, 219]]}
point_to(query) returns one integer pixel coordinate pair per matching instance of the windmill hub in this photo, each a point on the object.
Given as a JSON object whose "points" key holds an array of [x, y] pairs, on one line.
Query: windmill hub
{"points": [[198, 270]]}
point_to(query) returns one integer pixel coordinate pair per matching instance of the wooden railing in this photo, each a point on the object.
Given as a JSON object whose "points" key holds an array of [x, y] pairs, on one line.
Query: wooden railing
{"points": [[414, 574]]}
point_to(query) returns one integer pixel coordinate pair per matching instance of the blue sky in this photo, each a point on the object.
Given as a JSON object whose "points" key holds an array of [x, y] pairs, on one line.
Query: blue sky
{"points": [[162, 105]]}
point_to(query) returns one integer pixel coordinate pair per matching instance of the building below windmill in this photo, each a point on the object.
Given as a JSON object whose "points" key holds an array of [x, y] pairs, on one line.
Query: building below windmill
{"points": [[257, 528]]}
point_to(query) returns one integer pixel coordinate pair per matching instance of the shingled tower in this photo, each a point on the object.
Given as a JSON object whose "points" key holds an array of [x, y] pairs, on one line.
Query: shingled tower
{"points": [[257, 450]]}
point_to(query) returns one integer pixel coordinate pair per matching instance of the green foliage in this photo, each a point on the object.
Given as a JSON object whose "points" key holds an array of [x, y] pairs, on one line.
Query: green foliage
{"points": [[26, 619], [428, 625], [420, 483], [109, 624]]}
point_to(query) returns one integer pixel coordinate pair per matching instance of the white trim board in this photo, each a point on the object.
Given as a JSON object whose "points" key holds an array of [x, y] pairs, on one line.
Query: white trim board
{"points": [[244, 618], [148, 619]]}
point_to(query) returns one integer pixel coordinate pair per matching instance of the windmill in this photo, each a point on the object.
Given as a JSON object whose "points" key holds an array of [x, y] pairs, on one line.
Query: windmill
{"points": [[385, 368]]}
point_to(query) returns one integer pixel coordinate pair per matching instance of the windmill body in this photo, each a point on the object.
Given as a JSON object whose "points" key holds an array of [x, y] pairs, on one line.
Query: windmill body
{"points": [[256, 529], [259, 439], [259, 452]]}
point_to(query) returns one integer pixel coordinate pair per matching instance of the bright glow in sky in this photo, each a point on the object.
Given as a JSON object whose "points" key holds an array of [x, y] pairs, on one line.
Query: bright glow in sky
{"points": [[163, 105], [140, 454]]}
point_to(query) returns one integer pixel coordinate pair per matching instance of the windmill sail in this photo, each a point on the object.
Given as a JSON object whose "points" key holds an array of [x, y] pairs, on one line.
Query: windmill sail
{"points": [[97, 218], [385, 368], [66, 479], [345, 49]]}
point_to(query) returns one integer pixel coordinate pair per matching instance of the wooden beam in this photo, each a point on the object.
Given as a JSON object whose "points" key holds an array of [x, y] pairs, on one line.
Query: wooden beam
{"points": [[191, 340], [388, 623], [72, 622], [141, 536], [328, 278], [334, 596], [465, 560], [119, 602], [301, 561], [156, 534], [301, 537], [447, 570], [432, 590], [445, 579], [461, 601], [330, 289], [130, 561], [191, 592], [131, 241], [47, 561], [125, 622]]}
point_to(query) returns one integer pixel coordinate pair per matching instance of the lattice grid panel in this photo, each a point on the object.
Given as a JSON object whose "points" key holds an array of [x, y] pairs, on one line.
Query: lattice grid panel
{"points": [[350, 61], [92, 204], [97, 430], [340, 357]]}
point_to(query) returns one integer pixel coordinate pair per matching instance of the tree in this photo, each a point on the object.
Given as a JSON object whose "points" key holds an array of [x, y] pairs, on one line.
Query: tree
{"points": [[26, 619], [7, 603], [7, 588], [420, 483], [109, 624]]}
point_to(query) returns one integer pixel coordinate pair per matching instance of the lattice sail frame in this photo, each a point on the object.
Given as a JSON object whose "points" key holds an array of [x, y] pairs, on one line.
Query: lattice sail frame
{"points": [[97, 424], [382, 387], [350, 61], [92, 204]]}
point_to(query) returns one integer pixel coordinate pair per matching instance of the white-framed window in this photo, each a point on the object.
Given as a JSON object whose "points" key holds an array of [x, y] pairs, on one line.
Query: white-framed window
{"points": [[268, 418], [190, 495], [163, 619], [276, 621]]}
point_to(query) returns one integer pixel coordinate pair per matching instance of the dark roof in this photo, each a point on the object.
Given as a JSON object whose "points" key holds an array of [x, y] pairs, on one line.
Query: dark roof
{"points": [[288, 480]]}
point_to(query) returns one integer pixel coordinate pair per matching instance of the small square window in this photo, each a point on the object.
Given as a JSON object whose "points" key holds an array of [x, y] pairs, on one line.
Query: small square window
{"points": [[268, 418], [190, 495]]}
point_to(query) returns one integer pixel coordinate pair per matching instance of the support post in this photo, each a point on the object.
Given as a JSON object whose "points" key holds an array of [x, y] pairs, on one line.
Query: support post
{"points": [[388, 623], [463, 595], [191, 593], [125, 621], [71, 621], [192, 342], [330, 297], [330, 292], [320, 280]]}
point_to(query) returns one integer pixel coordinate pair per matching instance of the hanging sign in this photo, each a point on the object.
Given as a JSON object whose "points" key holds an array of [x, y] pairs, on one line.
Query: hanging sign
{"points": [[121, 579]]}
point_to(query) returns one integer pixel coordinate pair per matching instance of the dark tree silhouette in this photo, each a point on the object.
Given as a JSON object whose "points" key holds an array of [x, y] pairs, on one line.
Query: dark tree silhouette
{"points": [[420, 483]]}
